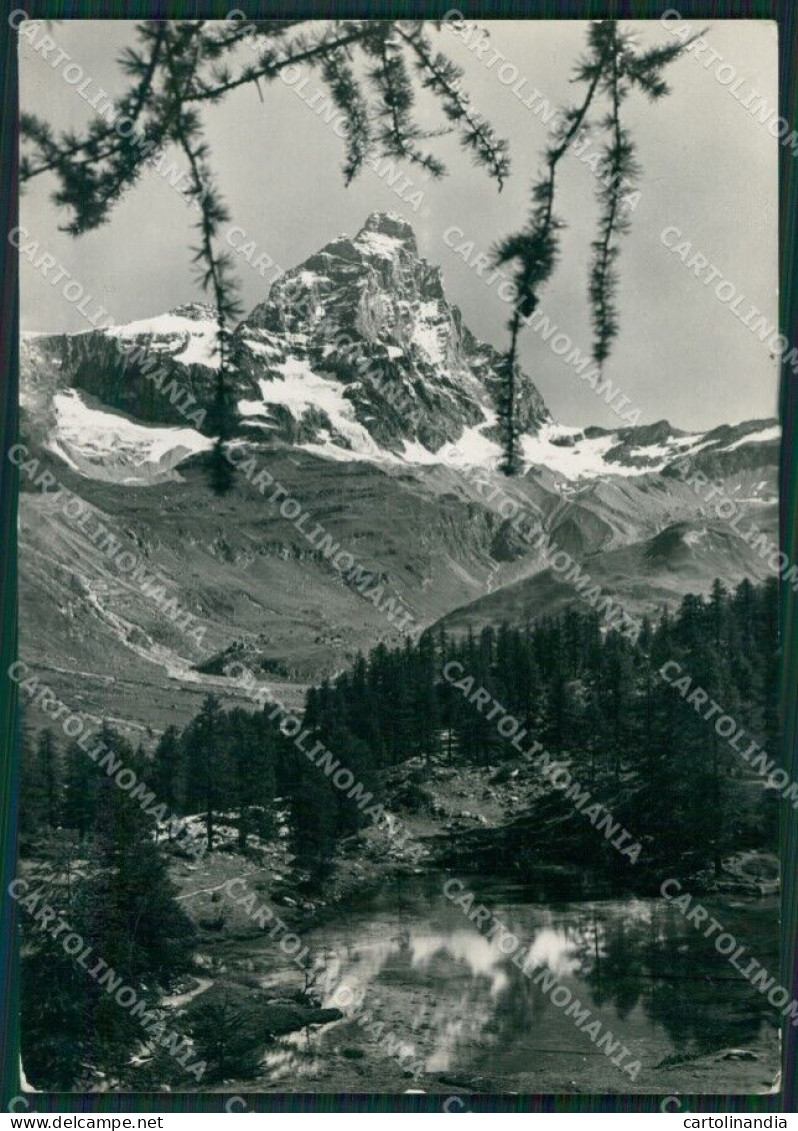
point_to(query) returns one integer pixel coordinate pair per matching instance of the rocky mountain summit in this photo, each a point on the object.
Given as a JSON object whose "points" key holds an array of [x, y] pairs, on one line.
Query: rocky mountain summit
{"points": [[361, 344]]}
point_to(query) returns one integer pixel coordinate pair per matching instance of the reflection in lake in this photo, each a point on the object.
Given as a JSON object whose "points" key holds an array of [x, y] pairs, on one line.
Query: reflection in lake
{"points": [[450, 993]]}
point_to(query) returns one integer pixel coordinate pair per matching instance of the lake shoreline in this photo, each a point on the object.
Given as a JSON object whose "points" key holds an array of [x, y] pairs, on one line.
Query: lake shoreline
{"points": [[348, 1061]]}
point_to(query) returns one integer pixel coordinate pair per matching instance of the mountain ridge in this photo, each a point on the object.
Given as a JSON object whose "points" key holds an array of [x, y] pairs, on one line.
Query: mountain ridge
{"points": [[376, 414]]}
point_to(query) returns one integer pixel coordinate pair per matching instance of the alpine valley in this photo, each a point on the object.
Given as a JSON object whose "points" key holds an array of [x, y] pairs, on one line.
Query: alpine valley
{"points": [[366, 505], [362, 393]]}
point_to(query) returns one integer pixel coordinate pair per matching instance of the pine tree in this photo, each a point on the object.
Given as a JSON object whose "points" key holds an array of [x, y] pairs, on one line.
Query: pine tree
{"points": [[314, 817], [426, 709], [223, 1024], [124, 909], [29, 792], [49, 772], [167, 769], [55, 1040], [252, 757], [80, 790], [207, 754], [40, 783]]}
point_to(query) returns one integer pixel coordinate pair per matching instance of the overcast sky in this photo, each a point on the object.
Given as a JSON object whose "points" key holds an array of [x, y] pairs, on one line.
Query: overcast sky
{"points": [[710, 170]]}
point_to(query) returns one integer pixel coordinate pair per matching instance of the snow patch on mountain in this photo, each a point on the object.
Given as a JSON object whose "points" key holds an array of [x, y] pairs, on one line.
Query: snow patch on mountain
{"points": [[696, 537], [300, 390], [472, 449], [377, 243], [572, 453], [99, 444], [762, 437], [188, 334], [427, 331]]}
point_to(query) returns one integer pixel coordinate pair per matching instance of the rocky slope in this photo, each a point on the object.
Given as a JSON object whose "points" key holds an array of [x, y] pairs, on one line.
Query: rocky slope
{"points": [[642, 578]]}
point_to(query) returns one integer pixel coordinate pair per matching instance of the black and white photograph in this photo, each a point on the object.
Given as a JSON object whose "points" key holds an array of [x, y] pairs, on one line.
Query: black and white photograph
{"points": [[399, 663]]}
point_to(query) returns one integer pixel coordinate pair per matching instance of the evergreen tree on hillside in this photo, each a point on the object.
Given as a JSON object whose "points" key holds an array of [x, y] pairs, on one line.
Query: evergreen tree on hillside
{"points": [[424, 693], [124, 908], [206, 764], [617, 701], [253, 760], [356, 757], [364, 711], [30, 807], [128, 912], [154, 934], [587, 694], [314, 816], [646, 751], [167, 769], [769, 651], [41, 781], [49, 771], [55, 1041], [80, 790]]}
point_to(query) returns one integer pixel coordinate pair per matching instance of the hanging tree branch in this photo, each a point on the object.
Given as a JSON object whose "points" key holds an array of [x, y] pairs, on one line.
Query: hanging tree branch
{"points": [[535, 251], [618, 168], [94, 170], [183, 49], [397, 132], [610, 67], [444, 79], [348, 96], [273, 61]]}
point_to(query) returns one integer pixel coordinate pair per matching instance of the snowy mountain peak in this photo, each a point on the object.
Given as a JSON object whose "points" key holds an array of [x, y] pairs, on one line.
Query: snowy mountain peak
{"points": [[357, 354]]}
